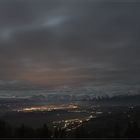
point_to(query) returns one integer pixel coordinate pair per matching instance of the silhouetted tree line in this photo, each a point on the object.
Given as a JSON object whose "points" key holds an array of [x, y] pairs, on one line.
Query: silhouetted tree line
{"points": [[132, 130], [7, 131]]}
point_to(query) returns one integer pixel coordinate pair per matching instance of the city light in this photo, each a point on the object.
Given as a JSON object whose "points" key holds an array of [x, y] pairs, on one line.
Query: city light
{"points": [[48, 108]]}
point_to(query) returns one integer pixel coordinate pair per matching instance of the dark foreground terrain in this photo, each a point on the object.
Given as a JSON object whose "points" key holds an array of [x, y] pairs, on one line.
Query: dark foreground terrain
{"points": [[118, 123], [110, 121]]}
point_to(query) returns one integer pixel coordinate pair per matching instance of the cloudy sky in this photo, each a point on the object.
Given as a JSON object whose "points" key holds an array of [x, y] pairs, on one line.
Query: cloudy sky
{"points": [[69, 42]]}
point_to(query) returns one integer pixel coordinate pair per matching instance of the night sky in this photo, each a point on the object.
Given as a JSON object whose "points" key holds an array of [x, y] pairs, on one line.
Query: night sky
{"points": [[69, 43]]}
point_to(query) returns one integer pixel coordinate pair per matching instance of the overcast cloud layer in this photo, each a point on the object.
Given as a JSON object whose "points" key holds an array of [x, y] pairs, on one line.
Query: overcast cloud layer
{"points": [[69, 42]]}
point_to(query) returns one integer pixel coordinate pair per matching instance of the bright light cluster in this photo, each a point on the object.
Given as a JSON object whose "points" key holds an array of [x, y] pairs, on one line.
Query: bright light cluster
{"points": [[48, 108]]}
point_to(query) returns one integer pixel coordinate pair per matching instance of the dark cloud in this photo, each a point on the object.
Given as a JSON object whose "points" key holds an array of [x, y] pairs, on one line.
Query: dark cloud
{"points": [[67, 41]]}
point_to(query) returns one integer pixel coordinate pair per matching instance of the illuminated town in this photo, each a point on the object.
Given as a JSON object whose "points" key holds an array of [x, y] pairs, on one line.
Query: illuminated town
{"points": [[48, 108], [71, 122]]}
